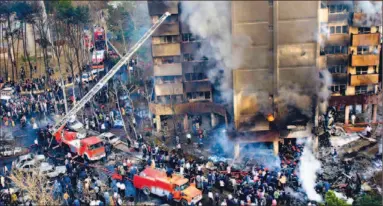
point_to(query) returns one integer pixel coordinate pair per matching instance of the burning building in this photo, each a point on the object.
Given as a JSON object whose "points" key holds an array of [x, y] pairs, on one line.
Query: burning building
{"points": [[352, 48], [182, 89], [298, 50], [276, 87]]}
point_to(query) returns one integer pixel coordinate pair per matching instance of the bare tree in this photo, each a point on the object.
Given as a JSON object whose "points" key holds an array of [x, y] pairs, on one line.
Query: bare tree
{"points": [[36, 186]]}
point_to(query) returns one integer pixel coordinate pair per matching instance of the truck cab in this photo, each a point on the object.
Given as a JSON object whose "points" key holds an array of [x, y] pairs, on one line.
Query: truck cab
{"points": [[155, 181], [91, 148]]}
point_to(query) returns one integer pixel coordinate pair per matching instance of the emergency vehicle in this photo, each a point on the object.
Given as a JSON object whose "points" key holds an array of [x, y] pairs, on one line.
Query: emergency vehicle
{"points": [[89, 148], [99, 53], [155, 181]]}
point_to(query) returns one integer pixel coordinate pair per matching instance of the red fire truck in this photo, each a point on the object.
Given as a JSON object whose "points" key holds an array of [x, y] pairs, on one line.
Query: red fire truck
{"points": [[155, 181], [99, 54], [89, 148]]}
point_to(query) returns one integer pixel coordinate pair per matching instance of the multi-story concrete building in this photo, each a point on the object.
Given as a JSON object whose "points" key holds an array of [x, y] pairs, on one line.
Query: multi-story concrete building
{"points": [[182, 89], [353, 39], [291, 41], [284, 51]]}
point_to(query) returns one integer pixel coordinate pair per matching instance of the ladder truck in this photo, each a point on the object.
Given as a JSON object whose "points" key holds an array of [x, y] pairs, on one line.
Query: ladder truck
{"points": [[57, 129]]}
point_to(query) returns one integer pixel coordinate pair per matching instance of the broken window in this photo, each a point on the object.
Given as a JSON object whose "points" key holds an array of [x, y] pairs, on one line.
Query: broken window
{"points": [[364, 30], [339, 29], [168, 79], [345, 29], [332, 30], [188, 57], [362, 50], [166, 60], [188, 37], [338, 8], [337, 69], [338, 88], [168, 39], [207, 95], [362, 70], [195, 76], [361, 90], [336, 50]]}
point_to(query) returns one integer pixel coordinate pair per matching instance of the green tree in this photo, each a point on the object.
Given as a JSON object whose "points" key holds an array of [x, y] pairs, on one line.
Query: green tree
{"points": [[369, 200], [333, 200]]}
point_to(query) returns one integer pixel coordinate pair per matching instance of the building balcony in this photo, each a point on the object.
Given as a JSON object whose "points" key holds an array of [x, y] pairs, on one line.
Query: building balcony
{"points": [[339, 17], [363, 20], [174, 88], [198, 86], [187, 108], [190, 47], [159, 8], [338, 39], [196, 66], [365, 60], [355, 99], [168, 69], [337, 59], [365, 39], [167, 29], [339, 78], [364, 79], [162, 50]]}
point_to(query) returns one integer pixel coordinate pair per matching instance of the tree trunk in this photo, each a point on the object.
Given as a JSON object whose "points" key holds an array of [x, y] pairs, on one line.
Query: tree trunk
{"points": [[26, 54], [13, 47], [34, 41], [17, 50], [2, 47], [5, 60]]}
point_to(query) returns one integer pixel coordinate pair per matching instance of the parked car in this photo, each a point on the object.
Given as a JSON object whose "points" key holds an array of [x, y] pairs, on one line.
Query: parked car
{"points": [[74, 125], [24, 159], [109, 137], [8, 150], [28, 166], [118, 121], [51, 170], [87, 77]]}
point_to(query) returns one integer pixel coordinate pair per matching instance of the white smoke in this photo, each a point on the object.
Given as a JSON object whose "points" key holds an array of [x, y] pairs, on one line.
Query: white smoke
{"points": [[372, 10], [308, 168], [211, 21], [324, 92]]}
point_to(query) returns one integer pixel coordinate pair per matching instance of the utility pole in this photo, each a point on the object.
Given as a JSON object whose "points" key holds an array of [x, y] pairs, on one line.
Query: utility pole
{"points": [[63, 89]]}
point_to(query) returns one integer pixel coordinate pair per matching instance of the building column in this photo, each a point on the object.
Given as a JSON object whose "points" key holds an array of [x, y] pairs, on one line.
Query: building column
{"points": [[237, 149], [158, 123], [276, 147], [213, 120], [374, 112], [186, 123], [346, 114]]}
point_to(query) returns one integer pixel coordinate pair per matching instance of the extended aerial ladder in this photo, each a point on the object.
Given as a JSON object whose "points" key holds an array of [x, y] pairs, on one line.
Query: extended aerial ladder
{"points": [[103, 81]]}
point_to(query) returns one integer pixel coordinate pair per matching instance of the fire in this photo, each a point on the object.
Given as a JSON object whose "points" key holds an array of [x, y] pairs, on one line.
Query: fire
{"points": [[270, 118]]}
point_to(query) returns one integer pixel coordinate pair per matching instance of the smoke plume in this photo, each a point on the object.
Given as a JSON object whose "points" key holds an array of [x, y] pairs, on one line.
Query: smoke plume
{"points": [[308, 168], [372, 11], [210, 20]]}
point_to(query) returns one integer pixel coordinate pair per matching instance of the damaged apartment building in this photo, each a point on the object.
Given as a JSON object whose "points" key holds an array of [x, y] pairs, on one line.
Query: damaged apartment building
{"points": [[182, 91], [292, 41], [353, 39]]}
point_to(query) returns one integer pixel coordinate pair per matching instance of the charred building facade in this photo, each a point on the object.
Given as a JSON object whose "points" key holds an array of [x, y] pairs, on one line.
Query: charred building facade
{"points": [[352, 49], [292, 43], [280, 65], [182, 89]]}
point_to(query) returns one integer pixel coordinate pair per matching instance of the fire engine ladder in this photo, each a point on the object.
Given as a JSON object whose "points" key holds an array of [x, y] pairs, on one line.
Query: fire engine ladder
{"points": [[109, 75]]}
